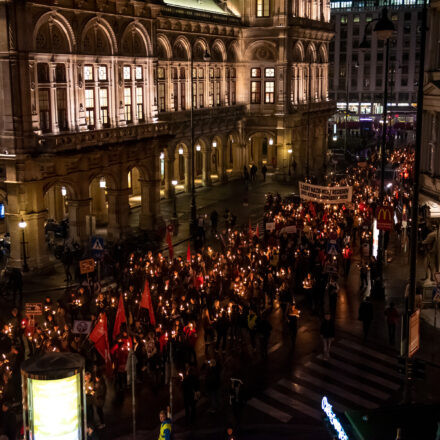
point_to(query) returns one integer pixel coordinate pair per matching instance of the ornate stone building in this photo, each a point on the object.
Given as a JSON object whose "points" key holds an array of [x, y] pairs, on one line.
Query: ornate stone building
{"points": [[95, 104]]}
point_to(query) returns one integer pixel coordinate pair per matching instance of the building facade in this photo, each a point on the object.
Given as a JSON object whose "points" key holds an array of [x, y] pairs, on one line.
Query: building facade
{"points": [[430, 150], [96, 99], [357, 75]]}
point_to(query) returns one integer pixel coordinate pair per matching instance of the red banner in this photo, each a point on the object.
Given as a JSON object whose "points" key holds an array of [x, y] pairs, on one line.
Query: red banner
{"points": [[120, 317], [146, 302], [99, 336]]}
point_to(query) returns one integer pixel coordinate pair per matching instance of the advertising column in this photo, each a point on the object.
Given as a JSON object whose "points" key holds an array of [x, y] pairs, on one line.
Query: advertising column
{"points": [[53, 397]]}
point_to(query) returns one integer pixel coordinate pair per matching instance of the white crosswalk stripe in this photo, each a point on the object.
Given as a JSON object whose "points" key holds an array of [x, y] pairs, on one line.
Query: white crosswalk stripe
{"points": [[312, 395], [358, 347], [350, 356], [351, 376], [293, 403], [340, 376], [270, 410], [335, 389], [359, 372]]}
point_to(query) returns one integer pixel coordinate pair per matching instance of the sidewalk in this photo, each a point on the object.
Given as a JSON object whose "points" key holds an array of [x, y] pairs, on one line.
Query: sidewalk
{"points": [[231, 195]]}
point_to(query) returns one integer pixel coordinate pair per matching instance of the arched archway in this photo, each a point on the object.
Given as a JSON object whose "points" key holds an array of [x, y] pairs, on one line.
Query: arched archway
{"points": [[182, 167], [55, 201], [262, 149], [134, 186], [98, 188]]}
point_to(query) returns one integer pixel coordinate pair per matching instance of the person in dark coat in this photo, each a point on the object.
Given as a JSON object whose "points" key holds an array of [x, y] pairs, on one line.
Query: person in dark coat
{"points": [[366, 315], [264, 329], [264, 172], [213, 383], [99, 398], [292, 322], [327, 334], [190, 388], [8, 422]]}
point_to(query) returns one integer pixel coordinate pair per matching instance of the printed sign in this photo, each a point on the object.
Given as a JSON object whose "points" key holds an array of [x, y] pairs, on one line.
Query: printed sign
{"points": [[384, 215], [82, 327], [325, 194], [270, 226], [87, 266], [414, 333], [35, 309], [289, 229]]}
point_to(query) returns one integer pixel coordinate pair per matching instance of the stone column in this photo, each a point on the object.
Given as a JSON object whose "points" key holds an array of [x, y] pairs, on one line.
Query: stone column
{"points": [[53, 99], [169, 176], [118, 209], [79, 213], [188, 171], [150, 197], [37, 254], [221, 165], [206, 166]]}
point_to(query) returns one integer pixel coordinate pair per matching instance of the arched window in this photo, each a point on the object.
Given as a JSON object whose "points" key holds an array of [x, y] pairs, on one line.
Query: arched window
{"points": [[263, 8]]}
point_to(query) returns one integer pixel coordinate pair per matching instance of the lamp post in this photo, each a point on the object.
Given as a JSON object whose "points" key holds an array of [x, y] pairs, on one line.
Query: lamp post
{"points": [[410, 303], [22, 225], [174, 183], [383, 29], [290, 159], [309, 102], [193, 226]]}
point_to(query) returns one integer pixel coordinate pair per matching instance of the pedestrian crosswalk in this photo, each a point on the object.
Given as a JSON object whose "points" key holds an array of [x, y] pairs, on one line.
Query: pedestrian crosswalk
{"points": [[354, 377]]}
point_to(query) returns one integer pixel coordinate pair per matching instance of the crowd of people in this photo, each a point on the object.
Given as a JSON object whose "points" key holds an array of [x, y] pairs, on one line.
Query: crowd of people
{"points": [[161, 307]]}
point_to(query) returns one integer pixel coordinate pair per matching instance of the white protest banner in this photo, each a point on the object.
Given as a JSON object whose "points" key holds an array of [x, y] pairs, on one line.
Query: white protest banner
{"points": [[289, 229], [81, 327], [325, 194], [270, 226]]}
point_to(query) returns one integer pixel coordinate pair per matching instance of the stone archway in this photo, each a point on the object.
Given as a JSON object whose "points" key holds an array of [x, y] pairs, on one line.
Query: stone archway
{"points": [[262, 150]]}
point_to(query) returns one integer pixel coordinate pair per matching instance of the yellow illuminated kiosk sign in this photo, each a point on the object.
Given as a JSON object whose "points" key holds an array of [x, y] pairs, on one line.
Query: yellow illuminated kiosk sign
{"points": [[56, 408]]}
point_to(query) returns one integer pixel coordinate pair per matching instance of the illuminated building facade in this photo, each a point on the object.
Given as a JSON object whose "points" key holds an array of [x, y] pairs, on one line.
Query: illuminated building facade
{"points": [[95, 104], [357, 75]]}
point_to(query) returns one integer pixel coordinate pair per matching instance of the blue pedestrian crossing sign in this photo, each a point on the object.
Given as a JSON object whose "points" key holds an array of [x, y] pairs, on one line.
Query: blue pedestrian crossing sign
{"points": [[332, 248], [97, 245]]}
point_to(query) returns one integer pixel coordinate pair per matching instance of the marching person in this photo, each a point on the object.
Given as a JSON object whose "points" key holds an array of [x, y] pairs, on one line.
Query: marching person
{"points": [[165, 425]]}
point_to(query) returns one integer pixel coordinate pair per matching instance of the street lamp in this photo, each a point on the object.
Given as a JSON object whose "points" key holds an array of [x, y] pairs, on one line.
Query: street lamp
{"points": [[383, 29], [174, 183], [290, 159], [193, 226], [22, 225]]}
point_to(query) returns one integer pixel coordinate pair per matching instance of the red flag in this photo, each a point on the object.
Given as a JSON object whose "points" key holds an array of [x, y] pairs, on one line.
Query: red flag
{"points": [[251, 232], [99, 336], [257, 232], [146, 302], [120, 318], [188, 253], [312, 209], [170, 245]]}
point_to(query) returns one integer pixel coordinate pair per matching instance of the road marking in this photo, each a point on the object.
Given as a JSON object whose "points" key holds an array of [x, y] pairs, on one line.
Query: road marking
{"points": [[384, 357], [312, 395], [341, 377], [270, 410], [364, 374], [295, 404], [336, 390], [375, 365], [275, 347]]}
